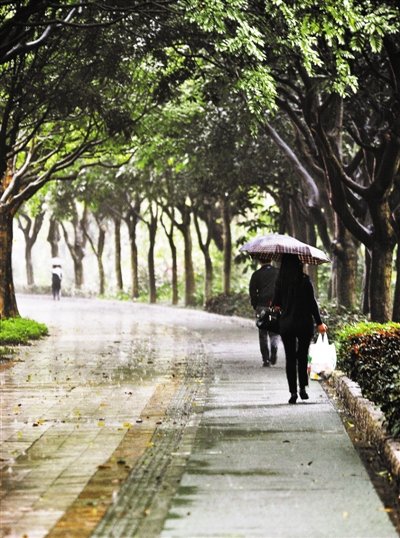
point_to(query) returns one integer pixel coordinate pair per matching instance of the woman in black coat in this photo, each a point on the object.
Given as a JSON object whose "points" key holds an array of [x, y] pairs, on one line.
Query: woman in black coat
{"points": [[294, 295]]}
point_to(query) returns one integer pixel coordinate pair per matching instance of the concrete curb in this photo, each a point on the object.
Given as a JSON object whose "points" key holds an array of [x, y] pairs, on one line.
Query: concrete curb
{"points": [[369, 420]]}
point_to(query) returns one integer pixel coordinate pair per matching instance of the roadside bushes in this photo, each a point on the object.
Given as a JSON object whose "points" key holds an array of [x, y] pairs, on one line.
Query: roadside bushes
{"points": [[369, 353], [338, 317], [233, 304]]}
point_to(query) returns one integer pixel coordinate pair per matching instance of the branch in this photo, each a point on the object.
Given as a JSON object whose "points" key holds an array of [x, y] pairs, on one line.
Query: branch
{"points": [[35, 185], [31, 45], [339, 199], [341, 172], [355, 162], [311, 187], [16, 178], [354, 133], [303, 128], [25, 229]]}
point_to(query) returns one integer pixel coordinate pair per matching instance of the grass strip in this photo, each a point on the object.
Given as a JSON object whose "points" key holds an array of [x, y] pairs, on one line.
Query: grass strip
{"points": [[19, 331]]}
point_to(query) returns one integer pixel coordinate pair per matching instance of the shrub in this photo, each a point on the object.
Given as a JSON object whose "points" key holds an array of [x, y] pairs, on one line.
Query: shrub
{"points": [[20, 330], [338, 317], [233, 304], [369, 353]]}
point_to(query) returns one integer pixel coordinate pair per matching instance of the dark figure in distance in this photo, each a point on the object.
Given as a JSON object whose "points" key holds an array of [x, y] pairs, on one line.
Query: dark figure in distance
{"points": [[56, 276], [261, 288], [294, 295]]}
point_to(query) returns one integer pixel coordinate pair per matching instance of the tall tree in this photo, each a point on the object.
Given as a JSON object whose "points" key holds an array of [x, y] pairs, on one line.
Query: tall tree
{"points": [[30, 225], [311, 61], [169, 232], [64, 72], [76, 244]]}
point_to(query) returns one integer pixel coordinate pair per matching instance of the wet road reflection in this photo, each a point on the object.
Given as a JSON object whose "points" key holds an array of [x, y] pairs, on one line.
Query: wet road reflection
{"points": [[69, 400]]}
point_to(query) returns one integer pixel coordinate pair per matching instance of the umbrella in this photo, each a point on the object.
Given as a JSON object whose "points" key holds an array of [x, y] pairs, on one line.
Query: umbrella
{"points": [[56, 261], [272, 246]]}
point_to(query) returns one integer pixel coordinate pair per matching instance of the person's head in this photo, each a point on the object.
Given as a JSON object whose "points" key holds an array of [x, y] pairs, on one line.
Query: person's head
{"points": [[291, 269], [261, 260]]}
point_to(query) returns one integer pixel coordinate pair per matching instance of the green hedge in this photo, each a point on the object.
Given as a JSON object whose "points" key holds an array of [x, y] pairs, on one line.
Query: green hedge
{"points": [[369, 353]]}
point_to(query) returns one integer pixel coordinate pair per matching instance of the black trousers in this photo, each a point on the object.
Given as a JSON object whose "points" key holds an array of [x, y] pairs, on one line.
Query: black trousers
{"points": [[296, 350]]}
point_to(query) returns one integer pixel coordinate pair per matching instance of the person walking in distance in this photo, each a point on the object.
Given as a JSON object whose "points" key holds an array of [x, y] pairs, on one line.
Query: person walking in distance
{"points": [[294, 296], [56, 277], [261, 289]]}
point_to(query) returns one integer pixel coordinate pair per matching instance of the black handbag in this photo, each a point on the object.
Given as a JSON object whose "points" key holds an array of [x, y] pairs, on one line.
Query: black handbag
{"points": [[268, 320]]}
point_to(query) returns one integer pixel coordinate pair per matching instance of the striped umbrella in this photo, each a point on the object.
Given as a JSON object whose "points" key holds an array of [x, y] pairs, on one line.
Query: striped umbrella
{"points": [[272, 246]]}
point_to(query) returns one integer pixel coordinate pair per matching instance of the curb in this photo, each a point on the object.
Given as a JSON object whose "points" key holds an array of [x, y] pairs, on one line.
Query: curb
{"points": [[370, 420]]}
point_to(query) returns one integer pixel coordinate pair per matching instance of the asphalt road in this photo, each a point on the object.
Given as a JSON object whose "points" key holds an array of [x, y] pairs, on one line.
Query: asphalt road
{"points": [[142, 420]]}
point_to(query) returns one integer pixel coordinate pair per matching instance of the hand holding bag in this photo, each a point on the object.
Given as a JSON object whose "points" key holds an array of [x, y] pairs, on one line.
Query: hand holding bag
{"points": [[323, 356]]}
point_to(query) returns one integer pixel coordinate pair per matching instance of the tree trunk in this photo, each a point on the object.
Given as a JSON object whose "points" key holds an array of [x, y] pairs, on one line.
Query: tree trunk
{"points": [[174, 279], [366, 302], [311, 239], [205, 248], [98, 249], [209, 277], [150, 259], [100, 265], [190, 286], [78, 273], [226, 222], [131, 219], [380, 284], [77, 249], [131, 222], [396, 297], [345, 251], [184, 228], [30, 280], [174, 260], [31, 230], [54, 237], [134, 268], [117, 238], [8, 303]]}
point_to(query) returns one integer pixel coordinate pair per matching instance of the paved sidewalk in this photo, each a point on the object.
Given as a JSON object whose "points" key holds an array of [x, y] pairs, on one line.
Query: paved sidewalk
{"points": [[262, 468], [144, 421]]}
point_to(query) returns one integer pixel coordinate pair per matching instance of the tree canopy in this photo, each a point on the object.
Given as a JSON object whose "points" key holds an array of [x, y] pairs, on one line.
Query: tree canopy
{"points": [[196, 90]]}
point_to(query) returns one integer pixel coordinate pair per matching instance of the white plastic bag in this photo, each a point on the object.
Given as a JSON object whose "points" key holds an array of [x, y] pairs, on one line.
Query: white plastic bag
{"points": [[323, 357]]}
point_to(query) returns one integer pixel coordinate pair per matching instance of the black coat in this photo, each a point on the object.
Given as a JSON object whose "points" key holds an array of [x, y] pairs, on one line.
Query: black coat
{"points": [[298, 308], [262, 286]]}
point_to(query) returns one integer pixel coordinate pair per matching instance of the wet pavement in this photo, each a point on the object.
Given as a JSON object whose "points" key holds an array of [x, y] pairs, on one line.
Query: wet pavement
{"points": [[150, 421]]}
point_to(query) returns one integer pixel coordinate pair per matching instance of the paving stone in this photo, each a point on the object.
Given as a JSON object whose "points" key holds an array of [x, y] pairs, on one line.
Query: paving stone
{"points": [[160, 422]]}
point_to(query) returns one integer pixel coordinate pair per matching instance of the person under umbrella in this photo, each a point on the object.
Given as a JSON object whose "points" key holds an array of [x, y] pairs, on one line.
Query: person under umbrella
{"points": [[294, 296], [261, 290], [56, 277]]}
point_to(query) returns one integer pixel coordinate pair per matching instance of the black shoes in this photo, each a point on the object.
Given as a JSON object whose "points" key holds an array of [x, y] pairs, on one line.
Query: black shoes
{"points": [[270, 361], [303, 394], [293, 396]]}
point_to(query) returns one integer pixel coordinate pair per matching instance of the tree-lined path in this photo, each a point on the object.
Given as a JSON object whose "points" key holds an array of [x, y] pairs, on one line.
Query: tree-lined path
{"points": [[138, 420], [192, 120]]}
